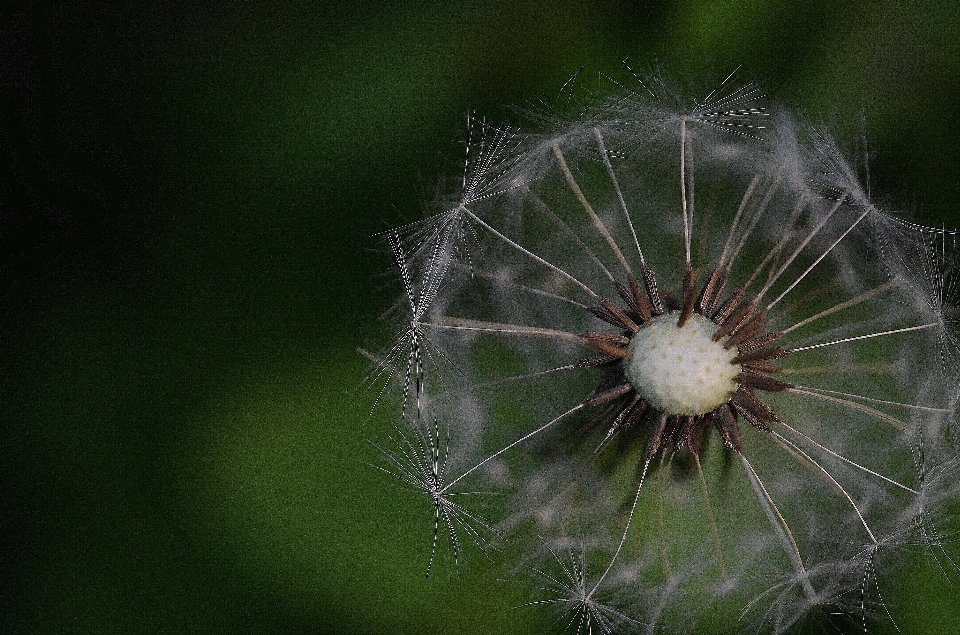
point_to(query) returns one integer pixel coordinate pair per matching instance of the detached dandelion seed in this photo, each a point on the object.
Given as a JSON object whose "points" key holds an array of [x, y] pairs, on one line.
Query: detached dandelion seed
{"points": [[698, 306]]}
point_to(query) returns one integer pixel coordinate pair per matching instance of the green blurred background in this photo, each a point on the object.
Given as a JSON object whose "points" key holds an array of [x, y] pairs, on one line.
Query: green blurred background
{"points": [[188, 192]]}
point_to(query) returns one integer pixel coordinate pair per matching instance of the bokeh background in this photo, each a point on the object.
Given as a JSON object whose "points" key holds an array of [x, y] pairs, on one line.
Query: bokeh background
{"points": [[187, 197]]}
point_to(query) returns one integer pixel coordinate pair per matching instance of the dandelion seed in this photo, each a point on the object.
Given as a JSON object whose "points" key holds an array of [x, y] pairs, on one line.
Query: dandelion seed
{"points": [[490, 170], [404, 364], [704, 305], [578, 600], [422, 464]]}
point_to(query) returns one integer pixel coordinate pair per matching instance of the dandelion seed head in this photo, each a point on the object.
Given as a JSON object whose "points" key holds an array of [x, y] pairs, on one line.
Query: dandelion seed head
{"points": [[683, 329]]}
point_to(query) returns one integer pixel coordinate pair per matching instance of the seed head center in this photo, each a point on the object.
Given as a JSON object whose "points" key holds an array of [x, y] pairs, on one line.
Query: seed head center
{"points": [[681, 371]]}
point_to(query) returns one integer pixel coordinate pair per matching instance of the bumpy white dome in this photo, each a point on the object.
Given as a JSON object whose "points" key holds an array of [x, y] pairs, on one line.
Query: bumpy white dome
{"points": [[681, 371]]}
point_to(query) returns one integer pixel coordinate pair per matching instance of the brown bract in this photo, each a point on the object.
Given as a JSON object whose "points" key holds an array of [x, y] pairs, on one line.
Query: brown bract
{"points": [[739, 321]]}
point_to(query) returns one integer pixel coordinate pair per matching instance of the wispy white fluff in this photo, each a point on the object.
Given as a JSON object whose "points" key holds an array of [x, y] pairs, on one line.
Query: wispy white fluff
{"points": [[792, 501]]}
